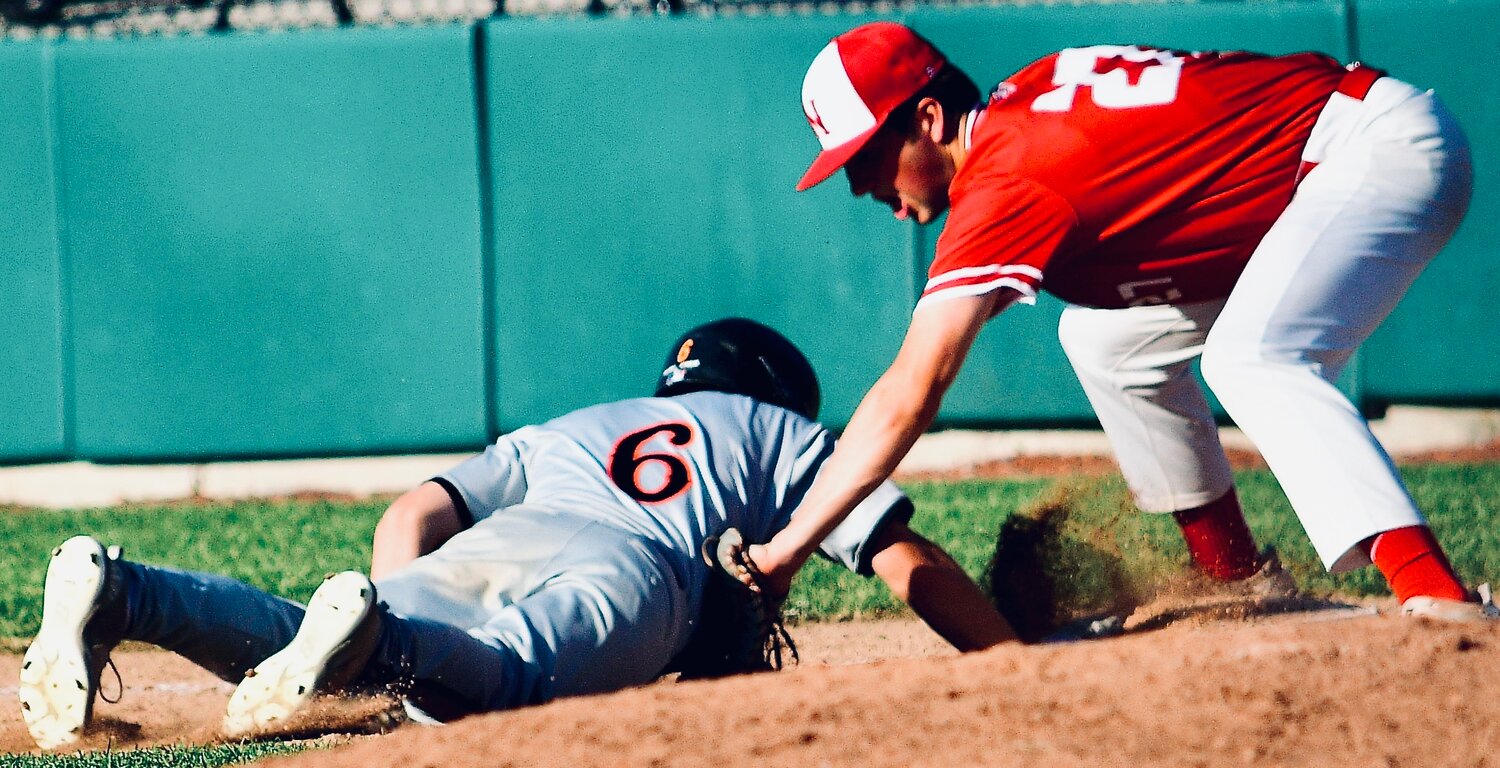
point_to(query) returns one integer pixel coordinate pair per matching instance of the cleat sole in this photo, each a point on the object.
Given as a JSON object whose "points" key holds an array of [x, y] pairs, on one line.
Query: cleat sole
{"points": [[279, 687], [56, 690]]}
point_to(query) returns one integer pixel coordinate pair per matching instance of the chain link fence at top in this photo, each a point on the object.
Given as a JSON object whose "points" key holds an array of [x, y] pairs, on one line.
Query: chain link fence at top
{"points": [[33, 19]]}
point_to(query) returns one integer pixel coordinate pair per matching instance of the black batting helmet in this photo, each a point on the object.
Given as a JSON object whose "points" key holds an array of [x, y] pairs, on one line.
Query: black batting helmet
{"points": [[742, 357]]}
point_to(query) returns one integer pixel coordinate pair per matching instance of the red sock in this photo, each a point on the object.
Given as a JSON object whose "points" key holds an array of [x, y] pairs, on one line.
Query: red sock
{"points": [[1414, 564], [1218, 539]]}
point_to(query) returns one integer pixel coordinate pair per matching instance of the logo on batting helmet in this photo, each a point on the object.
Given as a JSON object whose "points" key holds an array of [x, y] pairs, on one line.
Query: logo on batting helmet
{"points": [[741, 357]]}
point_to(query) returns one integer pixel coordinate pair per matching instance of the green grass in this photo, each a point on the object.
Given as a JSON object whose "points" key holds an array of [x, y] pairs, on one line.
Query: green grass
{"points": [[286, 547], [282, 547], [157, 757]]}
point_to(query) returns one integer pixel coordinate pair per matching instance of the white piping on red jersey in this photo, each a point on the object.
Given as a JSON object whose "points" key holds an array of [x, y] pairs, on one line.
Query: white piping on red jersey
{"points": [[1019, 277], [963, 273]]}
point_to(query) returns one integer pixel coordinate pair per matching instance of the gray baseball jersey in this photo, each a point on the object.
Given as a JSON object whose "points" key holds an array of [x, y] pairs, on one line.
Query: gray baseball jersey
{"points": [[674, 470], [579, 570]]}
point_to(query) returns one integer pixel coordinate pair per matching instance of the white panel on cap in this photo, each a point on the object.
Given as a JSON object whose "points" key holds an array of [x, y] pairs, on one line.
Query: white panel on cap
{"points": [[829, 96]]}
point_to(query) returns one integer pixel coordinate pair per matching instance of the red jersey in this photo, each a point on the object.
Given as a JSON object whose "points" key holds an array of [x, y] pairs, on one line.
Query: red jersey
{"points": [[1113, 176]]}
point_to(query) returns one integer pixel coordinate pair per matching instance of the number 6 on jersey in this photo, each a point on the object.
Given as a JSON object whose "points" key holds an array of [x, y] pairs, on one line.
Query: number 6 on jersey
{"points": [[626, 465]]}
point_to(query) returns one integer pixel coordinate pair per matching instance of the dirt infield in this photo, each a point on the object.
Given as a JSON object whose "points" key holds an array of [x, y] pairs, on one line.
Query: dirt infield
{"points": [[1318, 688], [163, 699]]}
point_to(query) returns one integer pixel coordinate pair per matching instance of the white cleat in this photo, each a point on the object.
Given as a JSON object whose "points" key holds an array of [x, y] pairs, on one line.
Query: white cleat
{"points": [[337, 636], [57, 684], [1440, 609]]}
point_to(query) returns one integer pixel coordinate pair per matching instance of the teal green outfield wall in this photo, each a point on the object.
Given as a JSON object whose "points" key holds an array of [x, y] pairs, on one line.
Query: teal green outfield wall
{"points": [[273, 243], [642, 179], [32, 423], [1442, 344], [379, 240]]}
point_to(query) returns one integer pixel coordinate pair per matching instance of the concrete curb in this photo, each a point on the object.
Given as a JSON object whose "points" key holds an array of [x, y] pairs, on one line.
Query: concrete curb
{"points": [[75, 485]]}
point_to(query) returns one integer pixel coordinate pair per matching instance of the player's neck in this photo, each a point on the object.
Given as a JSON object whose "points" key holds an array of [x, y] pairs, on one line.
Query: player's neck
{"points": [[958, 148]]}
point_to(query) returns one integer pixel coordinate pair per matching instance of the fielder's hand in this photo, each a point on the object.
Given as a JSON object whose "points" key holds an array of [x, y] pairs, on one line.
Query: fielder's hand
{"points": [[765, 571]]}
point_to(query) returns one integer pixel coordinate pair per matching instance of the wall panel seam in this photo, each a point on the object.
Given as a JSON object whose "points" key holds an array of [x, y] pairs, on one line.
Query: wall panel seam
{"points": [[488, 269], [67, 343]]}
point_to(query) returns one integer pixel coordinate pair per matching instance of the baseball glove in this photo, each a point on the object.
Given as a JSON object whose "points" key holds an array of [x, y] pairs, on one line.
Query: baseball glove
{"points": [[740, 628]]}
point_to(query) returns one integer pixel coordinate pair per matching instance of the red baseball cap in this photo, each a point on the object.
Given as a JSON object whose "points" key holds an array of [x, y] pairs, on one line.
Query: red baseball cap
{"points": [[855, 82]]}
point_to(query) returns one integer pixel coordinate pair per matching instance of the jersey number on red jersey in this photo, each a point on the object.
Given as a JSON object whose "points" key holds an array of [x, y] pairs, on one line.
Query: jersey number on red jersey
{"points": [[1117, 77]]}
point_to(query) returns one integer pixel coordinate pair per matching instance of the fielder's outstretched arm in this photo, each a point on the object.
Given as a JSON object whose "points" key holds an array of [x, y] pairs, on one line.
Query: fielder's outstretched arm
{"points": [[923, 575], [895, 412], [417, 522]]}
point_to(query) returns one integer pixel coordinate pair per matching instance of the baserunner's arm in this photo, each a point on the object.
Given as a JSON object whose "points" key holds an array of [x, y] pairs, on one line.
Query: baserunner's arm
{"points": [[416, 523], [924, 575]]}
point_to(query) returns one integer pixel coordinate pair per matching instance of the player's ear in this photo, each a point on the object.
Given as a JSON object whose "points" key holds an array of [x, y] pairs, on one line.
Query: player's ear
{"points": [[930, 120]]}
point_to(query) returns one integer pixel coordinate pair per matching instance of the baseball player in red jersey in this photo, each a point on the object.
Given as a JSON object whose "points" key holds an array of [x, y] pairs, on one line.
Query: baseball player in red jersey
{"points": [[1263, 214]]}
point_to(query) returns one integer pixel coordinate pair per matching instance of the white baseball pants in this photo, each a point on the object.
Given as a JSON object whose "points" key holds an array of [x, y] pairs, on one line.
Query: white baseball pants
{"points": [[1392, 183]]}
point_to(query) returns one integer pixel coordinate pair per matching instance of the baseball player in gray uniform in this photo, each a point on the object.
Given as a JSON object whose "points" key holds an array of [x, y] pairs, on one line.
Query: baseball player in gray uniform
{"points": [[563, 560]]}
